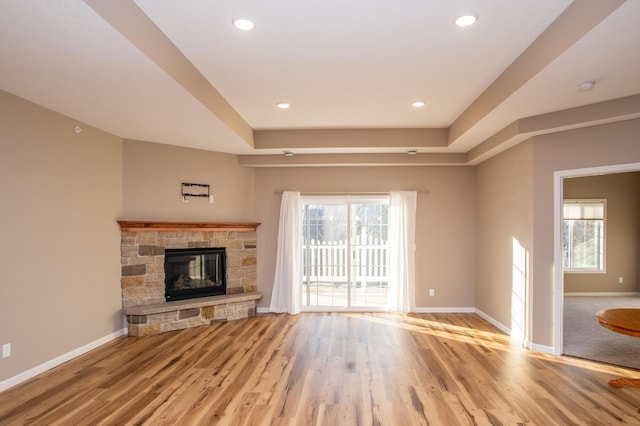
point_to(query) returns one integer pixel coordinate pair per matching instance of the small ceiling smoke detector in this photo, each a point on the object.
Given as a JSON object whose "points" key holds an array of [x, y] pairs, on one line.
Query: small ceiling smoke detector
{"points": [[288, 153], [412, 152], [417, 104], [585, 86], [78, 129], [283, 105], [243, 24], [466, 20]]}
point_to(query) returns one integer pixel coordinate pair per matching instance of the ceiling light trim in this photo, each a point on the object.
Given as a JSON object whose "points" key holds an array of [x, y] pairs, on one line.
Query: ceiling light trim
{"points": [[585, 86], [465, 21], [243, 24]]}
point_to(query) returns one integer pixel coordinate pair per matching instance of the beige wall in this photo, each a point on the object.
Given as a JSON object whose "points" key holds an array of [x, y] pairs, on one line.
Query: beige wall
{"points": [[64, 191], [445, 230], [61, 195], [446, 224], [604, 145], [153, 174], [522, 178], [622, 192], [504, 218]]}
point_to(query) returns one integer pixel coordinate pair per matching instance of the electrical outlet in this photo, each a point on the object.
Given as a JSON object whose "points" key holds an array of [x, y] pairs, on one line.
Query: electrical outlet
{"points": [[620, 280], [6, 350], [432, 292]]}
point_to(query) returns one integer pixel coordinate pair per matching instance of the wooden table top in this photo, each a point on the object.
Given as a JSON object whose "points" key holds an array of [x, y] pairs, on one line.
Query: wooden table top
{"points": [[624, 321]]}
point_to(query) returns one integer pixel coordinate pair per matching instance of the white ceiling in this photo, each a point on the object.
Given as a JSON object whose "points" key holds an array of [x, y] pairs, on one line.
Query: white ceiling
{"points": [[341, 64], [608, 55], [356, 63]]}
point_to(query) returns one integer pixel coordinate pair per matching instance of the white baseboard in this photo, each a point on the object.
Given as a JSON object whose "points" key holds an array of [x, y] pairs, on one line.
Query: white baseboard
{"points": [[26, 375], [525, 342], [417, 310], [497, 324], [506, 330], [542, 348], [444, 310], [605, 294]]}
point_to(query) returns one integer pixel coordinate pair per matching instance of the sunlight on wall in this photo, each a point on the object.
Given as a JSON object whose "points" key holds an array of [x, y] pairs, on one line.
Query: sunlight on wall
{"points": [[519, 292]]}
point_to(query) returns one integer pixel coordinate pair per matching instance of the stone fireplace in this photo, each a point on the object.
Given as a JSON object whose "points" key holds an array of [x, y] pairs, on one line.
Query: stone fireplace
{"points": [[143, 247]]}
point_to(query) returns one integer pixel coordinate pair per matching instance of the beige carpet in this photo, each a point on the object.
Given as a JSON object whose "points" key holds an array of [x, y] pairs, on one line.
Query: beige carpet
{"points": [[585, 338]]}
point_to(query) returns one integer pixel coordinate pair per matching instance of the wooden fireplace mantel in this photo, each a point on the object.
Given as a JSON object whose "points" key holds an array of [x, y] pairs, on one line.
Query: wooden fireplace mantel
{"points": [[137, 226]]}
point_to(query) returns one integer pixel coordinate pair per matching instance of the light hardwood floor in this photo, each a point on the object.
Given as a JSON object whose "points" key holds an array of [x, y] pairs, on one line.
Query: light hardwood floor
{"points": [[324, 369]]}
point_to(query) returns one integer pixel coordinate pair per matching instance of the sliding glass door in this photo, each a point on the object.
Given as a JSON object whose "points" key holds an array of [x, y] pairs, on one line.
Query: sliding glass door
{"points": [[345, 253]]}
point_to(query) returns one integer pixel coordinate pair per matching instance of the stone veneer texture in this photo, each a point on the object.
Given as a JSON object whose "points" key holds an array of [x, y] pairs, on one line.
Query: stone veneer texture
{"points": [[143, 261], [185, 317]]}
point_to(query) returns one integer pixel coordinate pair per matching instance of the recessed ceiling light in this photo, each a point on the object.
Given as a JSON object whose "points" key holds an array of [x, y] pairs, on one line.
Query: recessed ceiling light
{"points": [[412, 152], [283, 105], [288, 153], [243, 24], [585, 86], [466, 20], [417, 104]]}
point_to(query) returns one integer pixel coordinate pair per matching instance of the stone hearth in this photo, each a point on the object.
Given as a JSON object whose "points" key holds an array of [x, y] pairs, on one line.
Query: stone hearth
{"points": [[142, 250]]}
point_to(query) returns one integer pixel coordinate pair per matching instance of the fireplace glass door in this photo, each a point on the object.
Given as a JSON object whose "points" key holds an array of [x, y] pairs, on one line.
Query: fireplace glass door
{"points": [[191, 273]]}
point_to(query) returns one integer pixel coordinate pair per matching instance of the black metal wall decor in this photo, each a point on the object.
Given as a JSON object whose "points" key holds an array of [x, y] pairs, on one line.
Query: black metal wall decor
{"points": [[188, 188]]}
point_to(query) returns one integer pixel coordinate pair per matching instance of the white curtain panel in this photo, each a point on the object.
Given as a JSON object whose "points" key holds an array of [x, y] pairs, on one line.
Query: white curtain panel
{"points": [[285, 296], [402, 230]]}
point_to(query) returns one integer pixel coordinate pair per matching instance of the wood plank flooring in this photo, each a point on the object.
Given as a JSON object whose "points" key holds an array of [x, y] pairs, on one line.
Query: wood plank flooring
{"points": [[324, 369]]}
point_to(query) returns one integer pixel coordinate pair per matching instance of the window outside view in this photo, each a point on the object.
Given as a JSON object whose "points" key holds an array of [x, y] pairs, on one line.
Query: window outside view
{"points": [[583, 236], [345, 254]]}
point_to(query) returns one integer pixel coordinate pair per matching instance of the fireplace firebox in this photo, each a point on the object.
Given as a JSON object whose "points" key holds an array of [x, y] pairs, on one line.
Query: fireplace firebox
{"points": [[196, 272]]}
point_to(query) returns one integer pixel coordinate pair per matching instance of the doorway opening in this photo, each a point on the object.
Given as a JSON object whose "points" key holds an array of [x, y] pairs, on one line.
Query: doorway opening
{"points": [[559, 284]]}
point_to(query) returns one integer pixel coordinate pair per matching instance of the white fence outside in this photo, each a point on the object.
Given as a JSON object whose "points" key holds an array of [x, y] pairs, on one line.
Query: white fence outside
{"points": [[326, 261]]}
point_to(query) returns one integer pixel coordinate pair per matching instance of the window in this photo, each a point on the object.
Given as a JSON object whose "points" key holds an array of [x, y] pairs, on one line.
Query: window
{"points": [[583, 235]]}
